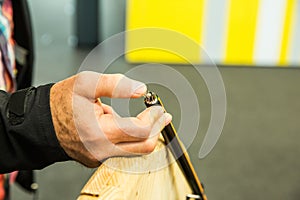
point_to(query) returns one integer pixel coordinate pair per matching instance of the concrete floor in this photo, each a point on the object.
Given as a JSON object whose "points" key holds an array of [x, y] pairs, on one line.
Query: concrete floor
{"points": [[257, 155]]}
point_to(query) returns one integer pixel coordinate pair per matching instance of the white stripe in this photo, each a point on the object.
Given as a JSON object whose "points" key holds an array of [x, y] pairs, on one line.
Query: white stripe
{"points": [[269, 31], [214, 28], [295, 45]]}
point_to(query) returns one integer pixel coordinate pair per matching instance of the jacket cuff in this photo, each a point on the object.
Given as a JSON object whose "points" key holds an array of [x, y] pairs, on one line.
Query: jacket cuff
{"points": [[31, 129], [46, 125]]}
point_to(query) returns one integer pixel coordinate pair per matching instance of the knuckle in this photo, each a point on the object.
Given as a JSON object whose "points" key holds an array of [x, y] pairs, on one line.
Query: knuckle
{"points": [[86, 79], [86, 74], [119, 76], [115, 77], [83, 73]]}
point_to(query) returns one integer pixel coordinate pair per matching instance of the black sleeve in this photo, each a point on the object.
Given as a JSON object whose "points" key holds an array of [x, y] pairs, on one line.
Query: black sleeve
{"points": [[27, 136]]}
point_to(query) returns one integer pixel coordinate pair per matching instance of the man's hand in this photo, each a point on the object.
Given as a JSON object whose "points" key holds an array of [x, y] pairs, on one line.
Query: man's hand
{"points": [[90, 131]]}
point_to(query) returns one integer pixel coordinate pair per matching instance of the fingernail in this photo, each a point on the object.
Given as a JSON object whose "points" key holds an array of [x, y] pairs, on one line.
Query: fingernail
{"points": [[168, 118], [139, 89]]}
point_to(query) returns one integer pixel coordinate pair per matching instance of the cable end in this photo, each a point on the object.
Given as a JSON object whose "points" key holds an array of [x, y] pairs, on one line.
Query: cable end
{"points": [[150, 99]]}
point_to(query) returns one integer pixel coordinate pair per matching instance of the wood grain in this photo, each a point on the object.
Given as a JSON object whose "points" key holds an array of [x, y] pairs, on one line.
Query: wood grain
{"points": [[151, 177]]}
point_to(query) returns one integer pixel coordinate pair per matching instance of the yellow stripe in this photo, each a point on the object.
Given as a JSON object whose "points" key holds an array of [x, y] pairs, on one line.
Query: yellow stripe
{"points": [[287, 31], [182, 16], [241, 31]]}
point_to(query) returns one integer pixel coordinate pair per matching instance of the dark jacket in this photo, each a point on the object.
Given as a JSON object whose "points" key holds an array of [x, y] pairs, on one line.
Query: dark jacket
{"points": [[27, 137]]}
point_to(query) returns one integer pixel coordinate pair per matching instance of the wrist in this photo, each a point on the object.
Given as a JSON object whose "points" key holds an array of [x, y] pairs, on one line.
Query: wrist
{"points": [[61, 96]]}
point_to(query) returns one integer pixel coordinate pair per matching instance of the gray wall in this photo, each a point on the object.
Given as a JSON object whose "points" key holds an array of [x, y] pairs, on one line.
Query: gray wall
{"points": [[111, 17]]}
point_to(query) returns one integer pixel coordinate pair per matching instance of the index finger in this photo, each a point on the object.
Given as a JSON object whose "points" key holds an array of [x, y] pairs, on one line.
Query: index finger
{"points": [[94, 85], [119, 86]]}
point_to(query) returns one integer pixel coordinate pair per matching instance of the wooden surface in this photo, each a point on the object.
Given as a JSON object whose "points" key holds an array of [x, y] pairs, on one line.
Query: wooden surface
{"points": [[151, 177]]}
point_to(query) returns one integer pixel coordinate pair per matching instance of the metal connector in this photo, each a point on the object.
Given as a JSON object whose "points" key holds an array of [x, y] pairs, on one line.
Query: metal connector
{"points": [[150, 99]]}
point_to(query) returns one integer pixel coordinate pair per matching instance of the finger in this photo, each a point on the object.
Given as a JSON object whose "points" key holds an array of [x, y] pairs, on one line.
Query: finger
{"points": [[149, 122], [109, 110], [137, 148], [93, 85], [119, 86]]}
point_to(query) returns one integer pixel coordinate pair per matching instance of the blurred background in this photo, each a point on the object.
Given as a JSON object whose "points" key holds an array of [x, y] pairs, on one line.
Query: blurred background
{"points": [[256, 46]]}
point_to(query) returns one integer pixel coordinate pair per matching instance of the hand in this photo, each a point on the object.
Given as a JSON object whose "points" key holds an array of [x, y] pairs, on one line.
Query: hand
{"points": [[90, 131]]}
